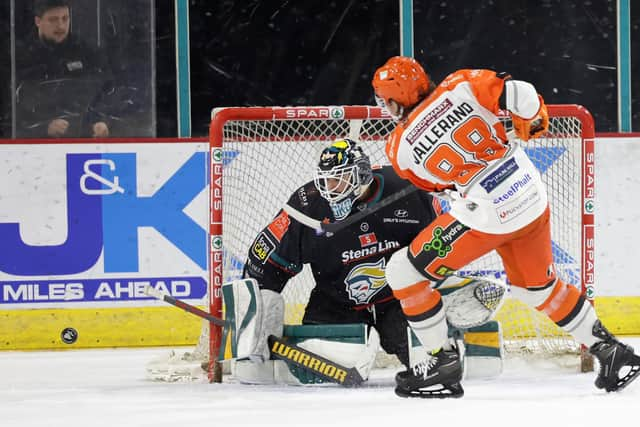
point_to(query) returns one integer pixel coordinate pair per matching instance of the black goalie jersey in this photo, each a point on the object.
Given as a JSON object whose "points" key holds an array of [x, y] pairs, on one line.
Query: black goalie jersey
{"points": [[348, 266]]}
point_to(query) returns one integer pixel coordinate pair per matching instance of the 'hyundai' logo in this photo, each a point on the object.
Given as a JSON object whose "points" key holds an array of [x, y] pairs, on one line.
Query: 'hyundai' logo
{"points": [[401, 213]]}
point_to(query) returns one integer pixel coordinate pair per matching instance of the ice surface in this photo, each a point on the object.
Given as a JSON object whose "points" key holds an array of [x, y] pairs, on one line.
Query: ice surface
{"points": [[97, 388]]}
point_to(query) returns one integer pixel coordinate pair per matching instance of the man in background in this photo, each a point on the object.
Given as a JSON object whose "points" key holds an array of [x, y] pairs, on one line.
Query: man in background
{"points": [[62, 83]]}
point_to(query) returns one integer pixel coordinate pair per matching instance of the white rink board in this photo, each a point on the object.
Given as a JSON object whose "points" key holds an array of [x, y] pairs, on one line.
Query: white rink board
{"points": [[144, 210]]}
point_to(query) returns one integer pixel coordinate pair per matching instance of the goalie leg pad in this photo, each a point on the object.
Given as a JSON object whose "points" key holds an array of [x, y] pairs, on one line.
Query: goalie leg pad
{"points": [[251, 315], [250, 372], [350, 345], [272, 318], [483, 351]]}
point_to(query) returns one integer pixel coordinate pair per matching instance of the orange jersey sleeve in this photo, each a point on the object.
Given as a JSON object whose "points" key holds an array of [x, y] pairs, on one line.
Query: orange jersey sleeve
{"points": [[487, 86]]}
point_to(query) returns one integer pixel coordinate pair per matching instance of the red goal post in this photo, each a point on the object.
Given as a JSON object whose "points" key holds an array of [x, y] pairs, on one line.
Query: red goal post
{"points": [[284, 142]]}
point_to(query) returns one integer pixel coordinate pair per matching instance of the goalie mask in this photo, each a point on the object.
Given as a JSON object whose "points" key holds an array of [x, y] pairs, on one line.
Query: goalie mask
{"points": [[343, 175]]}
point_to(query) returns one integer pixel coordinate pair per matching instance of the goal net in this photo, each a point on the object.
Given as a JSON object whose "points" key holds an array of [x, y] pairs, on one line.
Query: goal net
{"points": [[260, 155]]}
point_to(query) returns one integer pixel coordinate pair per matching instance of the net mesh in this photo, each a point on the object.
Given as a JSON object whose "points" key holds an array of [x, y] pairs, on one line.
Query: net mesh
{"points": [[264, 161]]}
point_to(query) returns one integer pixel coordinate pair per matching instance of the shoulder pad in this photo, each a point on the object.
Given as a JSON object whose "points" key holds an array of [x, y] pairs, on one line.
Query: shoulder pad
{"points": [[307, 199], [303, 196]]}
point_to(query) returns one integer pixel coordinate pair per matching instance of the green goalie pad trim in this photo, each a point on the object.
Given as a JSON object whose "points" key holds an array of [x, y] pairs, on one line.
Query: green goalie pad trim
{"points": [[490, 326], [228, 348], [348, 332], [484, 340]]}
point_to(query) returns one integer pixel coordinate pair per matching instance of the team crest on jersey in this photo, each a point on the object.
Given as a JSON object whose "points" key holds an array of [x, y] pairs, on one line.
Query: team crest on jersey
{"points": [[365, 280]]}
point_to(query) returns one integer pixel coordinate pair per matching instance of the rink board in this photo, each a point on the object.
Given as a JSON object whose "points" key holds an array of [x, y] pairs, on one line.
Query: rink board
{"points": [[102, 327], [86, 225], [168, 326]]}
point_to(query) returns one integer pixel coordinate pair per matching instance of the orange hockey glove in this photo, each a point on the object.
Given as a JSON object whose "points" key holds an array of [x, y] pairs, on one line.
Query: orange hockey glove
{"points": [[531, 128]]}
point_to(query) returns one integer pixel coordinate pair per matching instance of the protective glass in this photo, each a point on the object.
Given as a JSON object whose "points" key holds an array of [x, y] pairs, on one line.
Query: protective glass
{"points": [[98, 73]]}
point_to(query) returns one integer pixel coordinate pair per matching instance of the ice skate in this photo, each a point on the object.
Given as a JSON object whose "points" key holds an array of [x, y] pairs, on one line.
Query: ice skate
{"points": [[438, 376], [614, 358]]}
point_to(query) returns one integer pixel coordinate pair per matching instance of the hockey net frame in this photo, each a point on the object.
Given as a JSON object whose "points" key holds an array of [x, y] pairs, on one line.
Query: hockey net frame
{"points": [[297, 125]]}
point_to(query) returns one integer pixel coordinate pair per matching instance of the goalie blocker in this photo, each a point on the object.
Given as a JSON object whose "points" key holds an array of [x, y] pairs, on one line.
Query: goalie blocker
{"points": [[252, 315]]}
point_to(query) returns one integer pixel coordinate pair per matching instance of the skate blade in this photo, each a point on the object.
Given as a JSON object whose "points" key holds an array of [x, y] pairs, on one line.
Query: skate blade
{"points": [[629, 377], [438, 391]]}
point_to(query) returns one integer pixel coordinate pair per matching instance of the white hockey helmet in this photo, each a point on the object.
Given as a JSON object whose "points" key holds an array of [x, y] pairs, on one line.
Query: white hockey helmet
{"points": [[342, 175]]}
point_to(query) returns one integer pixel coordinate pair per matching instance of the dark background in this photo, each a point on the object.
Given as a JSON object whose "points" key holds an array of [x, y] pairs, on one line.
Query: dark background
{"points": [[305, 52]]}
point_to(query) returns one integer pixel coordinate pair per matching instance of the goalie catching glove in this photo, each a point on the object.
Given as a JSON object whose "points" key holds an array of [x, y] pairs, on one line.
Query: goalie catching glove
{"points": [[470, 301], [534, 127]]}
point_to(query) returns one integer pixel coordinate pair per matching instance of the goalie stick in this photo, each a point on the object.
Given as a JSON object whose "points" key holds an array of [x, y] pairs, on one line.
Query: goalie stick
{"points": [[163, 296], [332, 227], [280, 349]]}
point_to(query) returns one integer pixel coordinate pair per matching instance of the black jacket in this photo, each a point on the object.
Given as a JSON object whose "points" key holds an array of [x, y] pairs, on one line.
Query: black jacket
{"points": [[68, 80]]}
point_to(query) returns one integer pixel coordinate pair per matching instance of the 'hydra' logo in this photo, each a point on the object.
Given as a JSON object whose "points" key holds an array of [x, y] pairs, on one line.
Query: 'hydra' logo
{"points": [[437, 244], [365, 280]]}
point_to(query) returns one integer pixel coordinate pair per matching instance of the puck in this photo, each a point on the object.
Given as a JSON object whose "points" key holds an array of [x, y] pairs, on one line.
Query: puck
{"points": [[69, 335]]}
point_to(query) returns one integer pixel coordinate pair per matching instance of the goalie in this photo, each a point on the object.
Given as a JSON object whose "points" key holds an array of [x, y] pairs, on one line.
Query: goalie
{"points": [[348, 267]]}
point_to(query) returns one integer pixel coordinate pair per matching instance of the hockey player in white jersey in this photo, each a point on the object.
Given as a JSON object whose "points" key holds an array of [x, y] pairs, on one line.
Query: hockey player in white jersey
{"points": [[449, 139]]}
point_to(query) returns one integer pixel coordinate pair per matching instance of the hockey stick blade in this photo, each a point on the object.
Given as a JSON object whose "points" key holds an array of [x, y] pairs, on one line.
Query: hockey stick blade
{"points": [[318, 365], [334, 227], [163, 296]]}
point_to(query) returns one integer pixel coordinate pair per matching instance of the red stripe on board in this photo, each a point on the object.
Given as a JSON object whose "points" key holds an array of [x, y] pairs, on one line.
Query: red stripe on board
{"points": [[35, 141]]}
